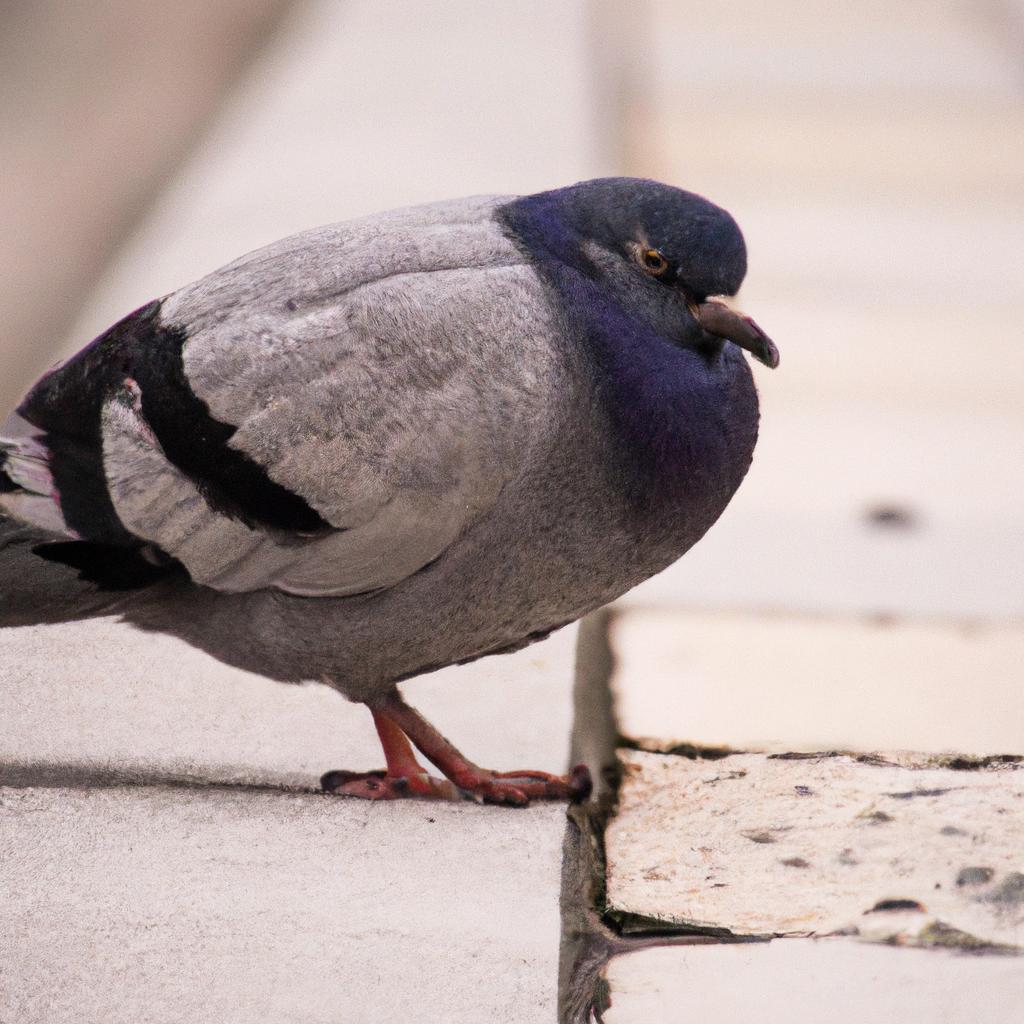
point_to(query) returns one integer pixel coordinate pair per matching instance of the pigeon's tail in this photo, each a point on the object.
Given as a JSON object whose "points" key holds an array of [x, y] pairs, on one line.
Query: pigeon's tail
{"points": [[44, 579], [47, 574], [27, 492]]}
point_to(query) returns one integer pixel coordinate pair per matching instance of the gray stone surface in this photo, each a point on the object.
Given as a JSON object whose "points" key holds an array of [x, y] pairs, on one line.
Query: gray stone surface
{"points": [[101, 700], [163, 856], [170, 904], [804, 981]]}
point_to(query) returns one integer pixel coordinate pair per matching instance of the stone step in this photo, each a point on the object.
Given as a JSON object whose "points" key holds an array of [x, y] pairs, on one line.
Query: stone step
{"points": [[947, 357], [158, 808], [177, 904], [791, 146], [867, 49], [124, 706], [780, 683]]}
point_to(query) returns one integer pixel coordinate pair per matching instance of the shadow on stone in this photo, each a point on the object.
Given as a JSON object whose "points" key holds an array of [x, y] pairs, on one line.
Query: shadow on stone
{"points": [[69, 775]]}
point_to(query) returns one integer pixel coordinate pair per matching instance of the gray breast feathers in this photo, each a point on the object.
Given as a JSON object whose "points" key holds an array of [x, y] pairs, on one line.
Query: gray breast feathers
{"points": [[395, 373]]}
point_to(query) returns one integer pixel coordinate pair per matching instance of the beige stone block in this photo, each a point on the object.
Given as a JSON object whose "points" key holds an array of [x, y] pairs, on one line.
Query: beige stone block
{"points": [[867, 49], [781, 683], [800, 144], [944, 359]]}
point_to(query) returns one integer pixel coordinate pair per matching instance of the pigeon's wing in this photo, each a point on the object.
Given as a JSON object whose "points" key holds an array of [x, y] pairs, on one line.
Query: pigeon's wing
{"points": [[324, 416]]}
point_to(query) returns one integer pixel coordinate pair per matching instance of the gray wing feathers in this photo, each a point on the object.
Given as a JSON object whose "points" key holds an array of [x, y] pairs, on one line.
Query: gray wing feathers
{"points": [[159, 503], [426, 401], [391, 371]]}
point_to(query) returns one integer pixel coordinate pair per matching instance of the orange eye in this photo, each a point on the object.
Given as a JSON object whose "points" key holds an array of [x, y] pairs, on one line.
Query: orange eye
{"points": [[653, 262]]}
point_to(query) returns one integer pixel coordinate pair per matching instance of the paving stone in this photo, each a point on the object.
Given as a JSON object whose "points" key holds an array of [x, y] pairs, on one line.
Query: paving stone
{"points": [[128, 905], [804, 981], [904, 854], [897, 355], [781, 683], [865, 170], [155, 812]]}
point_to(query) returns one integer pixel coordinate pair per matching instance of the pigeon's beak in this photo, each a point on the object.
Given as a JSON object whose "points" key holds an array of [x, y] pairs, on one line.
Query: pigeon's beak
{"points": [[718, 319]]}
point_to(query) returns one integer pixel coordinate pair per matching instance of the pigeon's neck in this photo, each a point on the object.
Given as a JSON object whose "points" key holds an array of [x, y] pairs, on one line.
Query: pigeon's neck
{"points": [[683, 422]]}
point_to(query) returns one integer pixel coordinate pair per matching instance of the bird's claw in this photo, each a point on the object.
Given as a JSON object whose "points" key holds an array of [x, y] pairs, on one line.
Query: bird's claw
{"points": [[378, 785], [575, 787], [514, 789]]}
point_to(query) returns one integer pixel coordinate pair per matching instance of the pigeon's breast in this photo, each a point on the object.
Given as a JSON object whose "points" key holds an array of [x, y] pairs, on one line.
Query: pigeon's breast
{"points": [[681, 423]]}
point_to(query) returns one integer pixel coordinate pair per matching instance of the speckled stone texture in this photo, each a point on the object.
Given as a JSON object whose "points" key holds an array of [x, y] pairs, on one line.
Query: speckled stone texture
{"points": [[887, 848]]}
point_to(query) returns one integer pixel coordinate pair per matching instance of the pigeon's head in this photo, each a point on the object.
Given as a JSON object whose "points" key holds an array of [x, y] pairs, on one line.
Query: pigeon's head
{"points": [[662, 253]]}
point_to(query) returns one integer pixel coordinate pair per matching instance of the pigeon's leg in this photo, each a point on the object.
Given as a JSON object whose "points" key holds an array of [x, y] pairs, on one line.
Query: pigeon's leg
{"points": [[405, 776], [516, 788], [397, 723]]}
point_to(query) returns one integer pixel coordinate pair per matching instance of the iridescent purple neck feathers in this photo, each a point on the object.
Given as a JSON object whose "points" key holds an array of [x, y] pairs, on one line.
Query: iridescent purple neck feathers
{"points": [[685, 418]]}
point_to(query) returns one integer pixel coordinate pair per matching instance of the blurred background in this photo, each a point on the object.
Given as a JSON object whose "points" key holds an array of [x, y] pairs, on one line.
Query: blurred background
{"points": [[873, 154]]}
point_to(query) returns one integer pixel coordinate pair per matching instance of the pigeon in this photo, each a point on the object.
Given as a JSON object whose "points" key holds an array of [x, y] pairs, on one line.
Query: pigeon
{"points": [[384, 446]]}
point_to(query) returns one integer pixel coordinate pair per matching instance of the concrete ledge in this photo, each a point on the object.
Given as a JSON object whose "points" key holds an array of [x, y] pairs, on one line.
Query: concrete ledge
{"points": [[162, 856]]}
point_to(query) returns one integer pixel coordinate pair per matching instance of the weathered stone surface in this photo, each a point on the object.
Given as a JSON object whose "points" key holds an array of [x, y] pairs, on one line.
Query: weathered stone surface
{"points": [[760, 845], [805, 981], [778, 683]]}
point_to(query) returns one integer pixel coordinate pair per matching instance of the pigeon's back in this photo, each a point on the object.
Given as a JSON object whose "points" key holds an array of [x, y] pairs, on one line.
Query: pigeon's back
{"points": [[323, 416]]}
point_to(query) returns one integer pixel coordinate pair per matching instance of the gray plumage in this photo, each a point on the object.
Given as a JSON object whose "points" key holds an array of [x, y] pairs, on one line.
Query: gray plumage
{"points": [[368, 369], [484, 431]]}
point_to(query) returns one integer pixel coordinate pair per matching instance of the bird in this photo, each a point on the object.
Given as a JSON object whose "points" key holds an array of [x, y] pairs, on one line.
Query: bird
{"points": [[396, 443]]}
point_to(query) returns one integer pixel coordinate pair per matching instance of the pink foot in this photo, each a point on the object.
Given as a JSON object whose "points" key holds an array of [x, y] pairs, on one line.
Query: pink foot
{"points": [[405, 777]]}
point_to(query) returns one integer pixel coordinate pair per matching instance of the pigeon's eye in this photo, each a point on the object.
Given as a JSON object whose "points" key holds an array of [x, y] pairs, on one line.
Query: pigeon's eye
{"points": [[653, 262]]}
